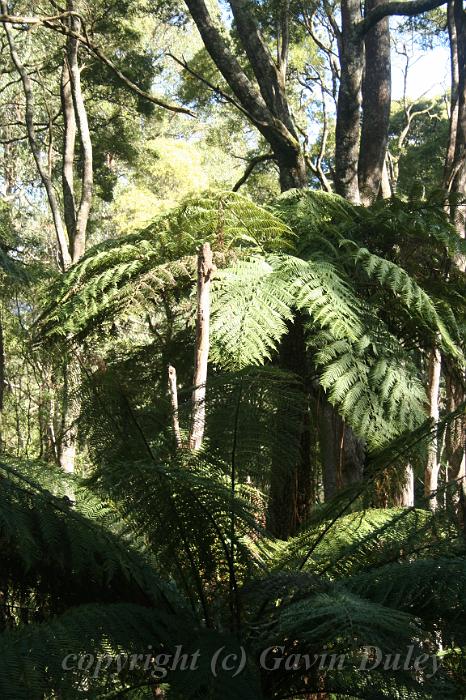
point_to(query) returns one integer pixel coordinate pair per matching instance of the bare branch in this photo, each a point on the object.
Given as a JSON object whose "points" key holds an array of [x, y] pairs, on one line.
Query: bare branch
{"points": [[65, 258], [250, 168], [55, 23]]}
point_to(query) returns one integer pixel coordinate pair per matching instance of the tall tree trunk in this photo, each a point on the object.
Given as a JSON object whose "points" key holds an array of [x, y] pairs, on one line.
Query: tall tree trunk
{"points": [[78, 242], [69, 144], [35, 146], [455, 447], [173, 393], [71, 408], [376, 102], [459, 163], [432, 467], [405, 498], [2, 378], [348, 128], [76, 216], [454, 106], [205, 268], [455, 179], [329, 448]]}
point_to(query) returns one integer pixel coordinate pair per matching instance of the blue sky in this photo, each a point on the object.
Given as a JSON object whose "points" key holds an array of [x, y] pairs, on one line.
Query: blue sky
{"points": [[429, 73]]}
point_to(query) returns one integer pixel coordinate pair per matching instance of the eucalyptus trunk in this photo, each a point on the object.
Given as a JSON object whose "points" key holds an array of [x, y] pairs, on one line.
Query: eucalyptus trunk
{"points": [[376, 102], [432, 467]]}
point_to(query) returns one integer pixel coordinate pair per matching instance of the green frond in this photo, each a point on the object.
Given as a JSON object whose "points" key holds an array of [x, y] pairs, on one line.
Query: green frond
{"points": [[409, 293], [114, 648], [367, 539], [56, 548], [195, 497], [126, 272], [251, 304]]}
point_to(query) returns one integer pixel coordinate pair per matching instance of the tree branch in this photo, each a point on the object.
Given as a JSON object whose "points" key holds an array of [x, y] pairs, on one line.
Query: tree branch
{"points": [[54, 22], [250, 167], [395, 7], [260, 58], [215, 88], [218, 49], [64, 254]]}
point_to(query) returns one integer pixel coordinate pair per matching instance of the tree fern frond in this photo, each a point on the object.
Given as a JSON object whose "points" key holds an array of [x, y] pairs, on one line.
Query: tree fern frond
{"points": [[117, 647], [49, 545], [251, 304], [412, 296]]}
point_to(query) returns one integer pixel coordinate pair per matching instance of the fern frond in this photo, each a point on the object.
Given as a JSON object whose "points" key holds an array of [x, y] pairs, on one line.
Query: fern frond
{"points": [[251, 304]]}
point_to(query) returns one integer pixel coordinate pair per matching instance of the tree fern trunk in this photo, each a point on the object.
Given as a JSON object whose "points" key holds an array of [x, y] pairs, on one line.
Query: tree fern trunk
{"points": [[292, 484]]}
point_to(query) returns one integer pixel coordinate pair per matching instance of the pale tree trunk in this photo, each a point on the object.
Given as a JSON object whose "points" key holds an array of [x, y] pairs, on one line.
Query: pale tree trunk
{"points": [[63, 250], [432, 467], [205, 269], [72, 240], [455, 447], [173, 392], [76, 216], [69, 144], [78, 246], [455, 180], [329, 452], [2, 378], [76, 219], [385, 185], [405, 498], [71, 408], [70, 402]]}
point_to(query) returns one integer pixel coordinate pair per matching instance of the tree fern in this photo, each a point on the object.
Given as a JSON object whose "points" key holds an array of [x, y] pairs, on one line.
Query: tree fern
{"points": [[251, 306]]}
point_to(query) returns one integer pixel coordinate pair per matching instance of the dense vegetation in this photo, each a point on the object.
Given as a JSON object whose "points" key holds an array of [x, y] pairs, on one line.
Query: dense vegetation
{"points": [[232, 337]]}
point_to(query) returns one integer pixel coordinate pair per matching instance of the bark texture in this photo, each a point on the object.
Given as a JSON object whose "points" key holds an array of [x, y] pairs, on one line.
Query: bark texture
{"points": [[35, 146], [459, 164], [205, 269], [376, 102], [431, 472], [173, 391], [454, 106], [263, 100], [291, 486], [347, 133]]}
